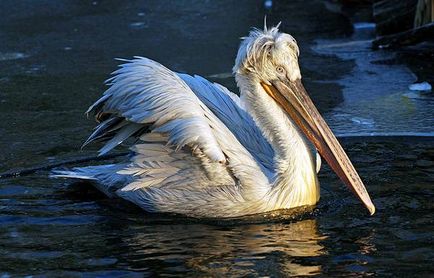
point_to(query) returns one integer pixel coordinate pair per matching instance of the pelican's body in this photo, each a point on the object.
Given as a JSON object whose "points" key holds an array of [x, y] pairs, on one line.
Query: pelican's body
{"points": [[201, 150]]}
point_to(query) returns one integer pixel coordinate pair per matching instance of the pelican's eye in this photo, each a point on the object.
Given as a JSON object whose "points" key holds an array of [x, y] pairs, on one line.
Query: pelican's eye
{"points": [[280, 70]]}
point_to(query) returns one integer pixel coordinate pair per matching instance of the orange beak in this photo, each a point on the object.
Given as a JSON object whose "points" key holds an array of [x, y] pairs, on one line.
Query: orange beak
{"points": [[293, 98]]}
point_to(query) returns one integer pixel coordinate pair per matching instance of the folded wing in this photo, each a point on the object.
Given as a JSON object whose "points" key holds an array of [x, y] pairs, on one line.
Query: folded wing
{"points": [[228, 108]]}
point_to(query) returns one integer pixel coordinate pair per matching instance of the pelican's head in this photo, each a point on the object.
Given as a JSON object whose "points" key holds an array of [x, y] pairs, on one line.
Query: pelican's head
{"points": [[268, 59], [266, 55]]}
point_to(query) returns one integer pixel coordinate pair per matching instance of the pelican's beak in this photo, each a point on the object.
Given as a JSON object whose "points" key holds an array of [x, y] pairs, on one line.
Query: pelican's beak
{"points": [[294, 99]]}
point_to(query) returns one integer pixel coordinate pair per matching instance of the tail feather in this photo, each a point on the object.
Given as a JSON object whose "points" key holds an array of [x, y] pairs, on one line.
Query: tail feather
{"points": [[70, 174], [105, 177]]}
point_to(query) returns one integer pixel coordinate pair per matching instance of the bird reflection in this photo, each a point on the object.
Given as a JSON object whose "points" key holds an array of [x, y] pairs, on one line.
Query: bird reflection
{"points": [[262, 249]]}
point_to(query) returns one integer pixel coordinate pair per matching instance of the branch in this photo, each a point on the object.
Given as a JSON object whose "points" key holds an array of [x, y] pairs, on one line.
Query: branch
{"points": [[409, 37]]}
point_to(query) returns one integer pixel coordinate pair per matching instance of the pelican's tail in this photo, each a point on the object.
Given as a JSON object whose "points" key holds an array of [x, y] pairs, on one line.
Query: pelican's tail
{"points": [[105, 177]]}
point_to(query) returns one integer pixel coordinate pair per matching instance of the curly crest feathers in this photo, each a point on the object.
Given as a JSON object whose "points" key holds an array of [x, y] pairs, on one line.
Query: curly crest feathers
{"points": [[261, 46]]}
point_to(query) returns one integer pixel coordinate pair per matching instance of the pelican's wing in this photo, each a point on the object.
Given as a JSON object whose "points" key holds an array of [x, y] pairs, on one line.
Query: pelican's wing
{"points": [[163, 179], [229, 109], [185, 159], [145, 96]]}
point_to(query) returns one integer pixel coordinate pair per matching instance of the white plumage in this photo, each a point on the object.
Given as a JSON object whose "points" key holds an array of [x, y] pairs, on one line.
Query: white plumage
{"points": [[200, 150]]}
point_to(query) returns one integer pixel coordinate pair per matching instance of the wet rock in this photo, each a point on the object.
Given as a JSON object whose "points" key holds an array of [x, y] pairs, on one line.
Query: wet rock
{"points": [[394, 16]]}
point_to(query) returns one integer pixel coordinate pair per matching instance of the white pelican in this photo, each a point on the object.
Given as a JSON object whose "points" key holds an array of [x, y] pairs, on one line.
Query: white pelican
{"points": [[202, 151]]}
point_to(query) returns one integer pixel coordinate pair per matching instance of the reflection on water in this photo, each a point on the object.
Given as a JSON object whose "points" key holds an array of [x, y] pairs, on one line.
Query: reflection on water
{"points": [[244, 250]]}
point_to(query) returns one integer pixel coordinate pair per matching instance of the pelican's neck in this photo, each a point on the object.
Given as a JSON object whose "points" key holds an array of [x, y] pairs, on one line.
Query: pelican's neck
{"points": [[296, 183]]}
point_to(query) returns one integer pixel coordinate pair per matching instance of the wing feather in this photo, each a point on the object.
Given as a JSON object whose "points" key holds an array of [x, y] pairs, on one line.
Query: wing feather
{"points": [[228, 107], [143, 92], [190, 143]]}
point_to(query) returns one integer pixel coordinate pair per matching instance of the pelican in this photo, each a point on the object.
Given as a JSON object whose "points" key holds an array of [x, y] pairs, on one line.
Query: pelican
{"points": [[200, 150]]}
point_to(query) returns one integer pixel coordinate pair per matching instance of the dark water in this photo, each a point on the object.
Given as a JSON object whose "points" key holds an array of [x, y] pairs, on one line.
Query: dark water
{"points": [[48, 227], [54, 56]]}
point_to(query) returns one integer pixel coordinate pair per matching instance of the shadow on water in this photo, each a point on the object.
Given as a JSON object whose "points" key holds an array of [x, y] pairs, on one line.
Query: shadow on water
{"points": [[54, 56]]}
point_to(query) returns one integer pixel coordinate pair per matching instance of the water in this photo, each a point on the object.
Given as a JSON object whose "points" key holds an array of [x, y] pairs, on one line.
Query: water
{"points": [[385, 104], [54, 57], [51, 228]]}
